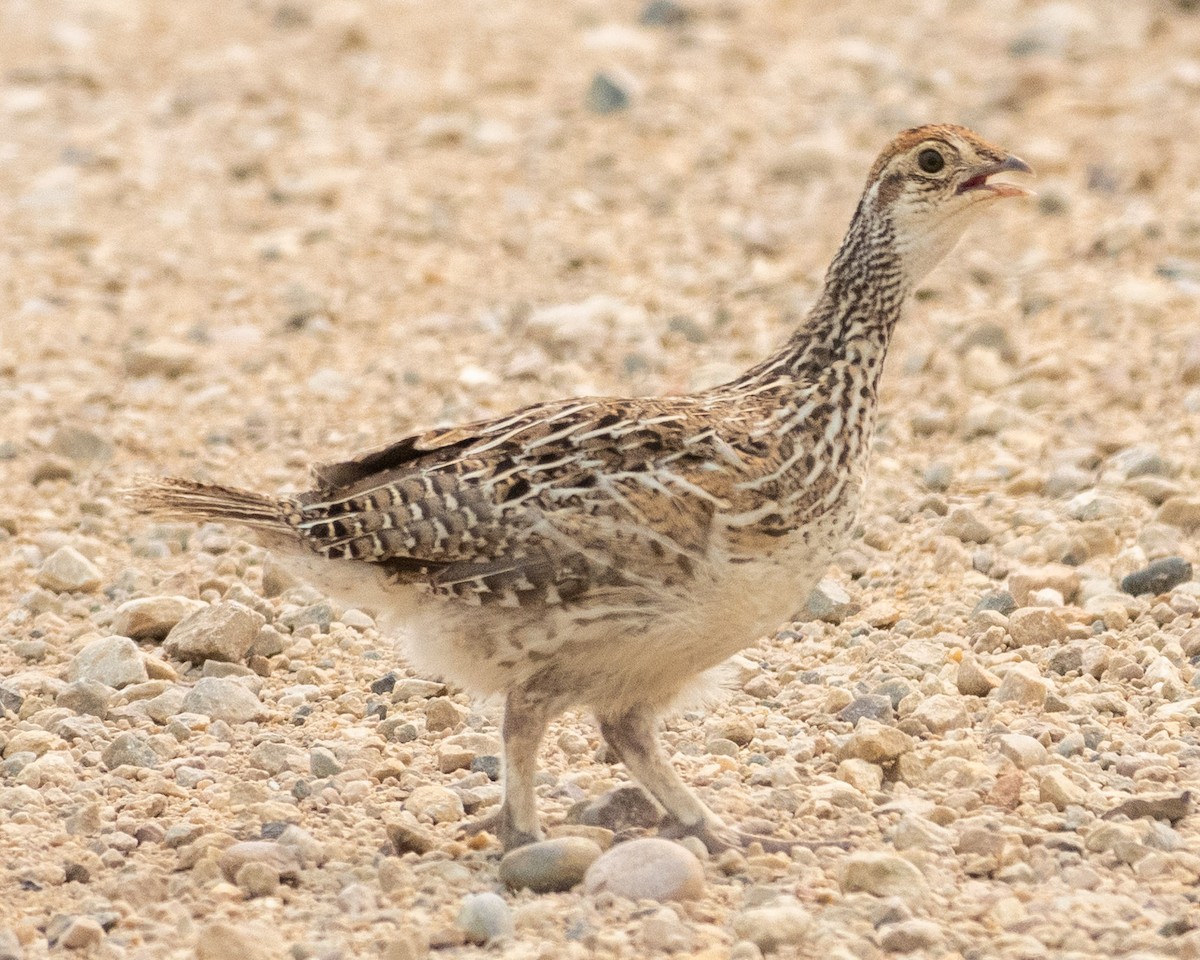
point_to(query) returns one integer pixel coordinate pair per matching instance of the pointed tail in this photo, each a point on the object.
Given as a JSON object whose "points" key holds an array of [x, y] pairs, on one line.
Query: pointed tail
{"points": [[177, 499]]}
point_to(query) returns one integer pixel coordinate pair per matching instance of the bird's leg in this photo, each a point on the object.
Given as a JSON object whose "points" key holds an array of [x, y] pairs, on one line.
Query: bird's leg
{"points": [[634, 737], [516, 822]]}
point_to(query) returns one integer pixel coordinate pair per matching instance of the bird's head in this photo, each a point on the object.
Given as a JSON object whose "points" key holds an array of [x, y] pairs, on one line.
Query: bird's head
{"points": [[928, 184]]}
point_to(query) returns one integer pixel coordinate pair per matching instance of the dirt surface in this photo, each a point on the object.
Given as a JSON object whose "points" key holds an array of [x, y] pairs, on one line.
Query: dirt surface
{"points": [[241, 237]]}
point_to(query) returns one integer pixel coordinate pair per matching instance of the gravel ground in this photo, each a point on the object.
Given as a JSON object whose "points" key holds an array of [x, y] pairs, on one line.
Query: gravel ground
{"points": [[241, 237]]}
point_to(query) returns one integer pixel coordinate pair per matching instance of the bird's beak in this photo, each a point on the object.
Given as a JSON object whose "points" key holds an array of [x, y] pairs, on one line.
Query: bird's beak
{"points": [[978, 180]]}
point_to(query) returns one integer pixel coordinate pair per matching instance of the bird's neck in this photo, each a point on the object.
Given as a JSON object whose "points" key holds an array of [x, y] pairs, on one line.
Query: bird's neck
{"points": [[852, 321]]}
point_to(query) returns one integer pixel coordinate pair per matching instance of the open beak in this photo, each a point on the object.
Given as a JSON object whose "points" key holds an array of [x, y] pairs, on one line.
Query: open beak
{"points": [[979, 179]]}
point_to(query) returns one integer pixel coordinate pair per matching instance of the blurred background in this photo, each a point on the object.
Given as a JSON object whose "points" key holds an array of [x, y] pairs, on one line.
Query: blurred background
{"points": [[302, 227]]}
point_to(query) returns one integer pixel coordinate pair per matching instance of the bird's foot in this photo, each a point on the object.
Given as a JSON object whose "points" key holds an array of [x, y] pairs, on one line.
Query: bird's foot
{"points": [[718, 838], [500, 825]]}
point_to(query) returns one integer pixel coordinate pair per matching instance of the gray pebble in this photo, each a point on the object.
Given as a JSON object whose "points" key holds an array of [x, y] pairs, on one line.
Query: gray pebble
{"points": [[85, 696], [151, 618], [1158, 577], [129, 749], [1000, 601], [484, 917], [877, 706], [617, 810], [322, 763], [606, 95]]}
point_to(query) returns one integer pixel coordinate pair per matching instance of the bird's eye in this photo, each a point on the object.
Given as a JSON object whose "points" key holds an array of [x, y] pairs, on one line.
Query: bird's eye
{"points": [[930, 161]]}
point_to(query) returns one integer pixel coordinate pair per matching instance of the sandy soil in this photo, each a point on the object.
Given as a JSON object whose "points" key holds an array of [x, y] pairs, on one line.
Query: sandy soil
{"points": [[238, 238]]}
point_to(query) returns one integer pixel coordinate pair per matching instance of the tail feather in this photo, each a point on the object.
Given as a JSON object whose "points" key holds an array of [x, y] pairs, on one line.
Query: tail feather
{"points": [[177, 499]]}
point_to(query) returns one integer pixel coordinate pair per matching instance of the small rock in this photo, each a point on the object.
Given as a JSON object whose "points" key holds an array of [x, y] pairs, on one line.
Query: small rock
{"points": [[873, 706], [883, 874], [223, 631], [1055, 787], [1172, 807], [357, 899], [113, 661], [129, 749], [1158, 577], [1024, 583], [1001, 601], [308, 848], [910, 935], [875, 743], [664, 932], [938, 476], [406, 836], [443, 714], [973, 680], [774, 925], [10, 946], [647, 869], [484, 917], [962, 524], [322, 763], [151, 618], [606, 94], [664, 13], [736, 727], [67, 570], [223, 698], [80, 444], [221, 941], [84, 933], [1023, 684], [1022, 750], [1066, 660], [1181, 512], [88, 697], [163, 358], [830, 602], [1037, 626], [865, 777], [618, 810], [283, 860], [434, 803], [549, 866], [256, 879], [941, 712]]}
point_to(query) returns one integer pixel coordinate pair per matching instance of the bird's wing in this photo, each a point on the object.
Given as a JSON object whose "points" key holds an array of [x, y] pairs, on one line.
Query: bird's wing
{"points": [[543, 505]]}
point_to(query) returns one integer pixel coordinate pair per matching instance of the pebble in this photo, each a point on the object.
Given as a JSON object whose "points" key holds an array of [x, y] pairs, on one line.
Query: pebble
{"points": [[647, 869], [1022, 750], [407, 836], [1171, 808], [85, 696], [873, 706], [129, 749], [962, 524], [1158, 577], [1001, 601], [151, 618], [942, 712], [256, 879], [223, 631], [973, 680], [113, 661], [67, 570], [435, 803], [1181, 512], [222, 941], [908, 936], [83, 933], [1023, 584], [549, 866], [165, 358], [1024, 684], [322, 763], [223, 698], [875, 743], [617, 810], [1037, 626], [1055, 787], [664, 13], [882, 874], [775, 925], [282, 859], [484, 917], [830, 602], [443, 714], [606, 94]]}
